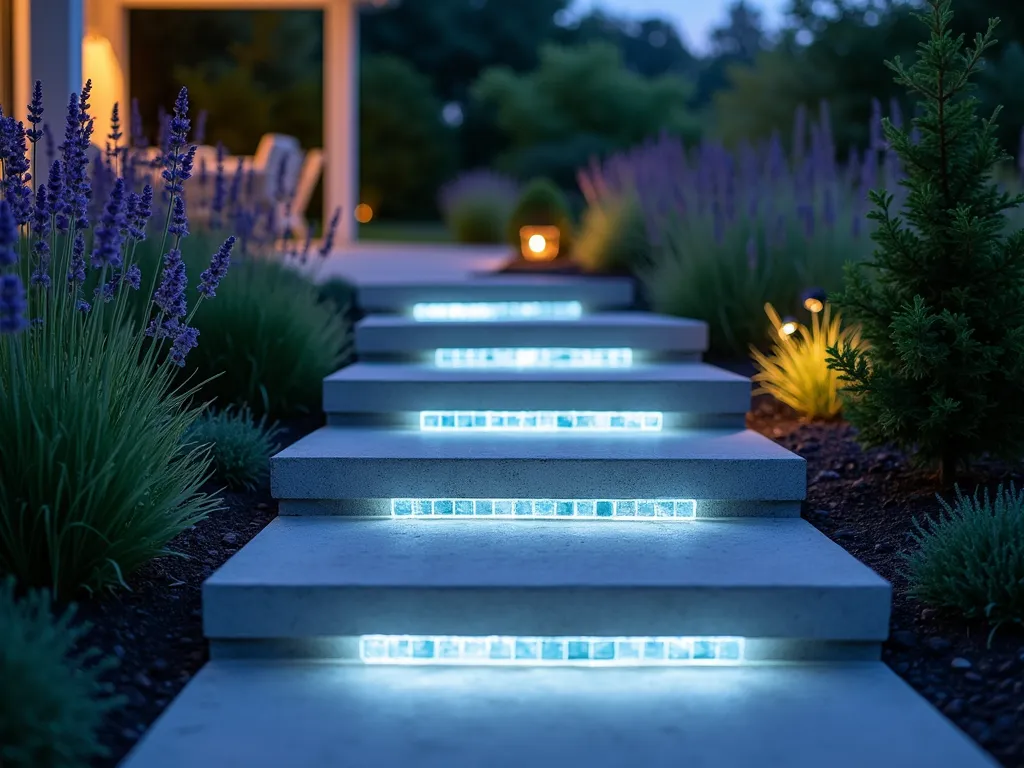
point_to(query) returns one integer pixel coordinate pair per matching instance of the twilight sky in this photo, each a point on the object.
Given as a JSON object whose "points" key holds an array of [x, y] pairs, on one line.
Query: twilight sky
{"points": [[694, 17]]}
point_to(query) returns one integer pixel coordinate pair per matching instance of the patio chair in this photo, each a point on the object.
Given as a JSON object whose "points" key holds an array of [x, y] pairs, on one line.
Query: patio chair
{"points": [[294, 215]]}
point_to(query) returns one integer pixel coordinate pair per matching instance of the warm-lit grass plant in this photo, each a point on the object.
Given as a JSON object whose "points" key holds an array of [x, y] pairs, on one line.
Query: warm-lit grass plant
{"points": [[796, 371], [612, 236], [970, 558], [476, 206], [240, 448], [52, 702], [95, 481]]}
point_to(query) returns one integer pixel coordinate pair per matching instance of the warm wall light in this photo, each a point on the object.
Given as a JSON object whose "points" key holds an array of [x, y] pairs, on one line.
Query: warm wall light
{"points": [[539, 243], [363, 213], [100, 64]]}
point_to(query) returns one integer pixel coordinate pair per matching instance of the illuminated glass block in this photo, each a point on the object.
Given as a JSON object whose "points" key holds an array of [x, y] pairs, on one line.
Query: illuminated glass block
{"points": [[423, 648], [533, 357], [527, 649], [542, 421], [703, 650], [498, 310], [551, 651], [645, 509]]}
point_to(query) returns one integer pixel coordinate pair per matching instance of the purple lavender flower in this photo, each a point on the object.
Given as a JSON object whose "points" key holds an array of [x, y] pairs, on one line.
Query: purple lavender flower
{"points": [[108, 241], [73, 200], [141, 214], [15, 162], [186, 340], [8, 235], [41, 245], [180, 124], [76, 269], [83, 306], [133, 277], [35, 113], [210, 279], [328, 244], [179, 221], [170, 295], [13, 304]]}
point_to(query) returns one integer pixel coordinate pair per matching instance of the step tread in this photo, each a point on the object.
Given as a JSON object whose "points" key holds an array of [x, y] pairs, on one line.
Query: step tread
{"points": [[308, 577], [543, 554], [642, 373], [314, 715], [410, 444]]}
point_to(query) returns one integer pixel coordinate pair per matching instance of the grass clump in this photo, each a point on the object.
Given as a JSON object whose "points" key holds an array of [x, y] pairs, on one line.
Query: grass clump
{"points": [[970, 558], [796, 371], [612, 237], [477, 206], [52, 701], [240, 448]]}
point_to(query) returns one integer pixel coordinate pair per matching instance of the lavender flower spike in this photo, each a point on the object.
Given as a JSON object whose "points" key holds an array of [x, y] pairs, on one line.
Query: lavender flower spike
{"points": [[13, 304], [76, 269], [170, 295], [35, 113], [8, 235], [186, 340], [108, 240], [179, 221], [211, 277]]}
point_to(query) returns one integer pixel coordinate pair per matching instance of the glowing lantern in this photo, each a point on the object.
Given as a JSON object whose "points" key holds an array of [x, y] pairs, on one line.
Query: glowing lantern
{"points": [[539, 243]]}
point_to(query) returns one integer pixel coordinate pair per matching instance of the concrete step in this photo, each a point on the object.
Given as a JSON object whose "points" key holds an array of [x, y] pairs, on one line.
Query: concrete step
{"points": [[382, 388], [595, 294], [649, 336], [363, 468], [321, 577], [272, 714]]}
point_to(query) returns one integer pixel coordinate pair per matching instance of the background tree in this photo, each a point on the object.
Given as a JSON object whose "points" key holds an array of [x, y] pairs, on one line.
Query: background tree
{"points": [[941, 304], [406, 151], [579, 102]]}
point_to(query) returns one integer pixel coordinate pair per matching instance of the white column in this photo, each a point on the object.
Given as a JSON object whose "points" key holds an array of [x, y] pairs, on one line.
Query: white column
{"points": [[341, 114], [54, 56]]}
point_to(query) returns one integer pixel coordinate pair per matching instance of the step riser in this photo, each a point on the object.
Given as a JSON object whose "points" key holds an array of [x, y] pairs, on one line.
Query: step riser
{"points": [[411, 420], [419, 337], [594, 294], [346, 650], [705, 509], [486, 478], [262, 612], [428, 356], [382, 397]]}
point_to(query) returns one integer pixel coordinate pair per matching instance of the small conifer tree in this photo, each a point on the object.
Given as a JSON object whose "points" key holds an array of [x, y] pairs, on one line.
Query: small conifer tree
{"points": [[941, 302]]}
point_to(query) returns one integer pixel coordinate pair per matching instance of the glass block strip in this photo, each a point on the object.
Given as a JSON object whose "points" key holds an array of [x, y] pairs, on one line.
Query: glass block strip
{"points": [[459, 311], [541, 421], [551, 651], [553, 509], [533, 357]]}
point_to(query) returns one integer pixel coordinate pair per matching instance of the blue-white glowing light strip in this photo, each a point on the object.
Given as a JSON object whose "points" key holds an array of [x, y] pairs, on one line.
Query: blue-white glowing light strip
{"points": [[551, 651], [540, 421], [533, 357], [497, 310], [532, 509]]}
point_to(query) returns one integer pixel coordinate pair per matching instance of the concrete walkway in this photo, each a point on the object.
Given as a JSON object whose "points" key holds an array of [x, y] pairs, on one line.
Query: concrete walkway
{"points": [[541, 542]]}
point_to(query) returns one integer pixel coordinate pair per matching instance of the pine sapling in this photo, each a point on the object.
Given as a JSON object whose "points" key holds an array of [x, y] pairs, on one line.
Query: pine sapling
{"points": [[941, 302]]}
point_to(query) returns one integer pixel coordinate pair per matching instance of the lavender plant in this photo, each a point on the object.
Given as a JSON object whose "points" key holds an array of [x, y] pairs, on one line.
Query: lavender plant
{"points": [[96, 481], [477, 205], [729, 231]]}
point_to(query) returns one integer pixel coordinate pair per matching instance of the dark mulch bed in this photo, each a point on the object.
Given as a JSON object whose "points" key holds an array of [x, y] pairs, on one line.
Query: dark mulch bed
{"points": [[865, 501], [155, 629]]}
